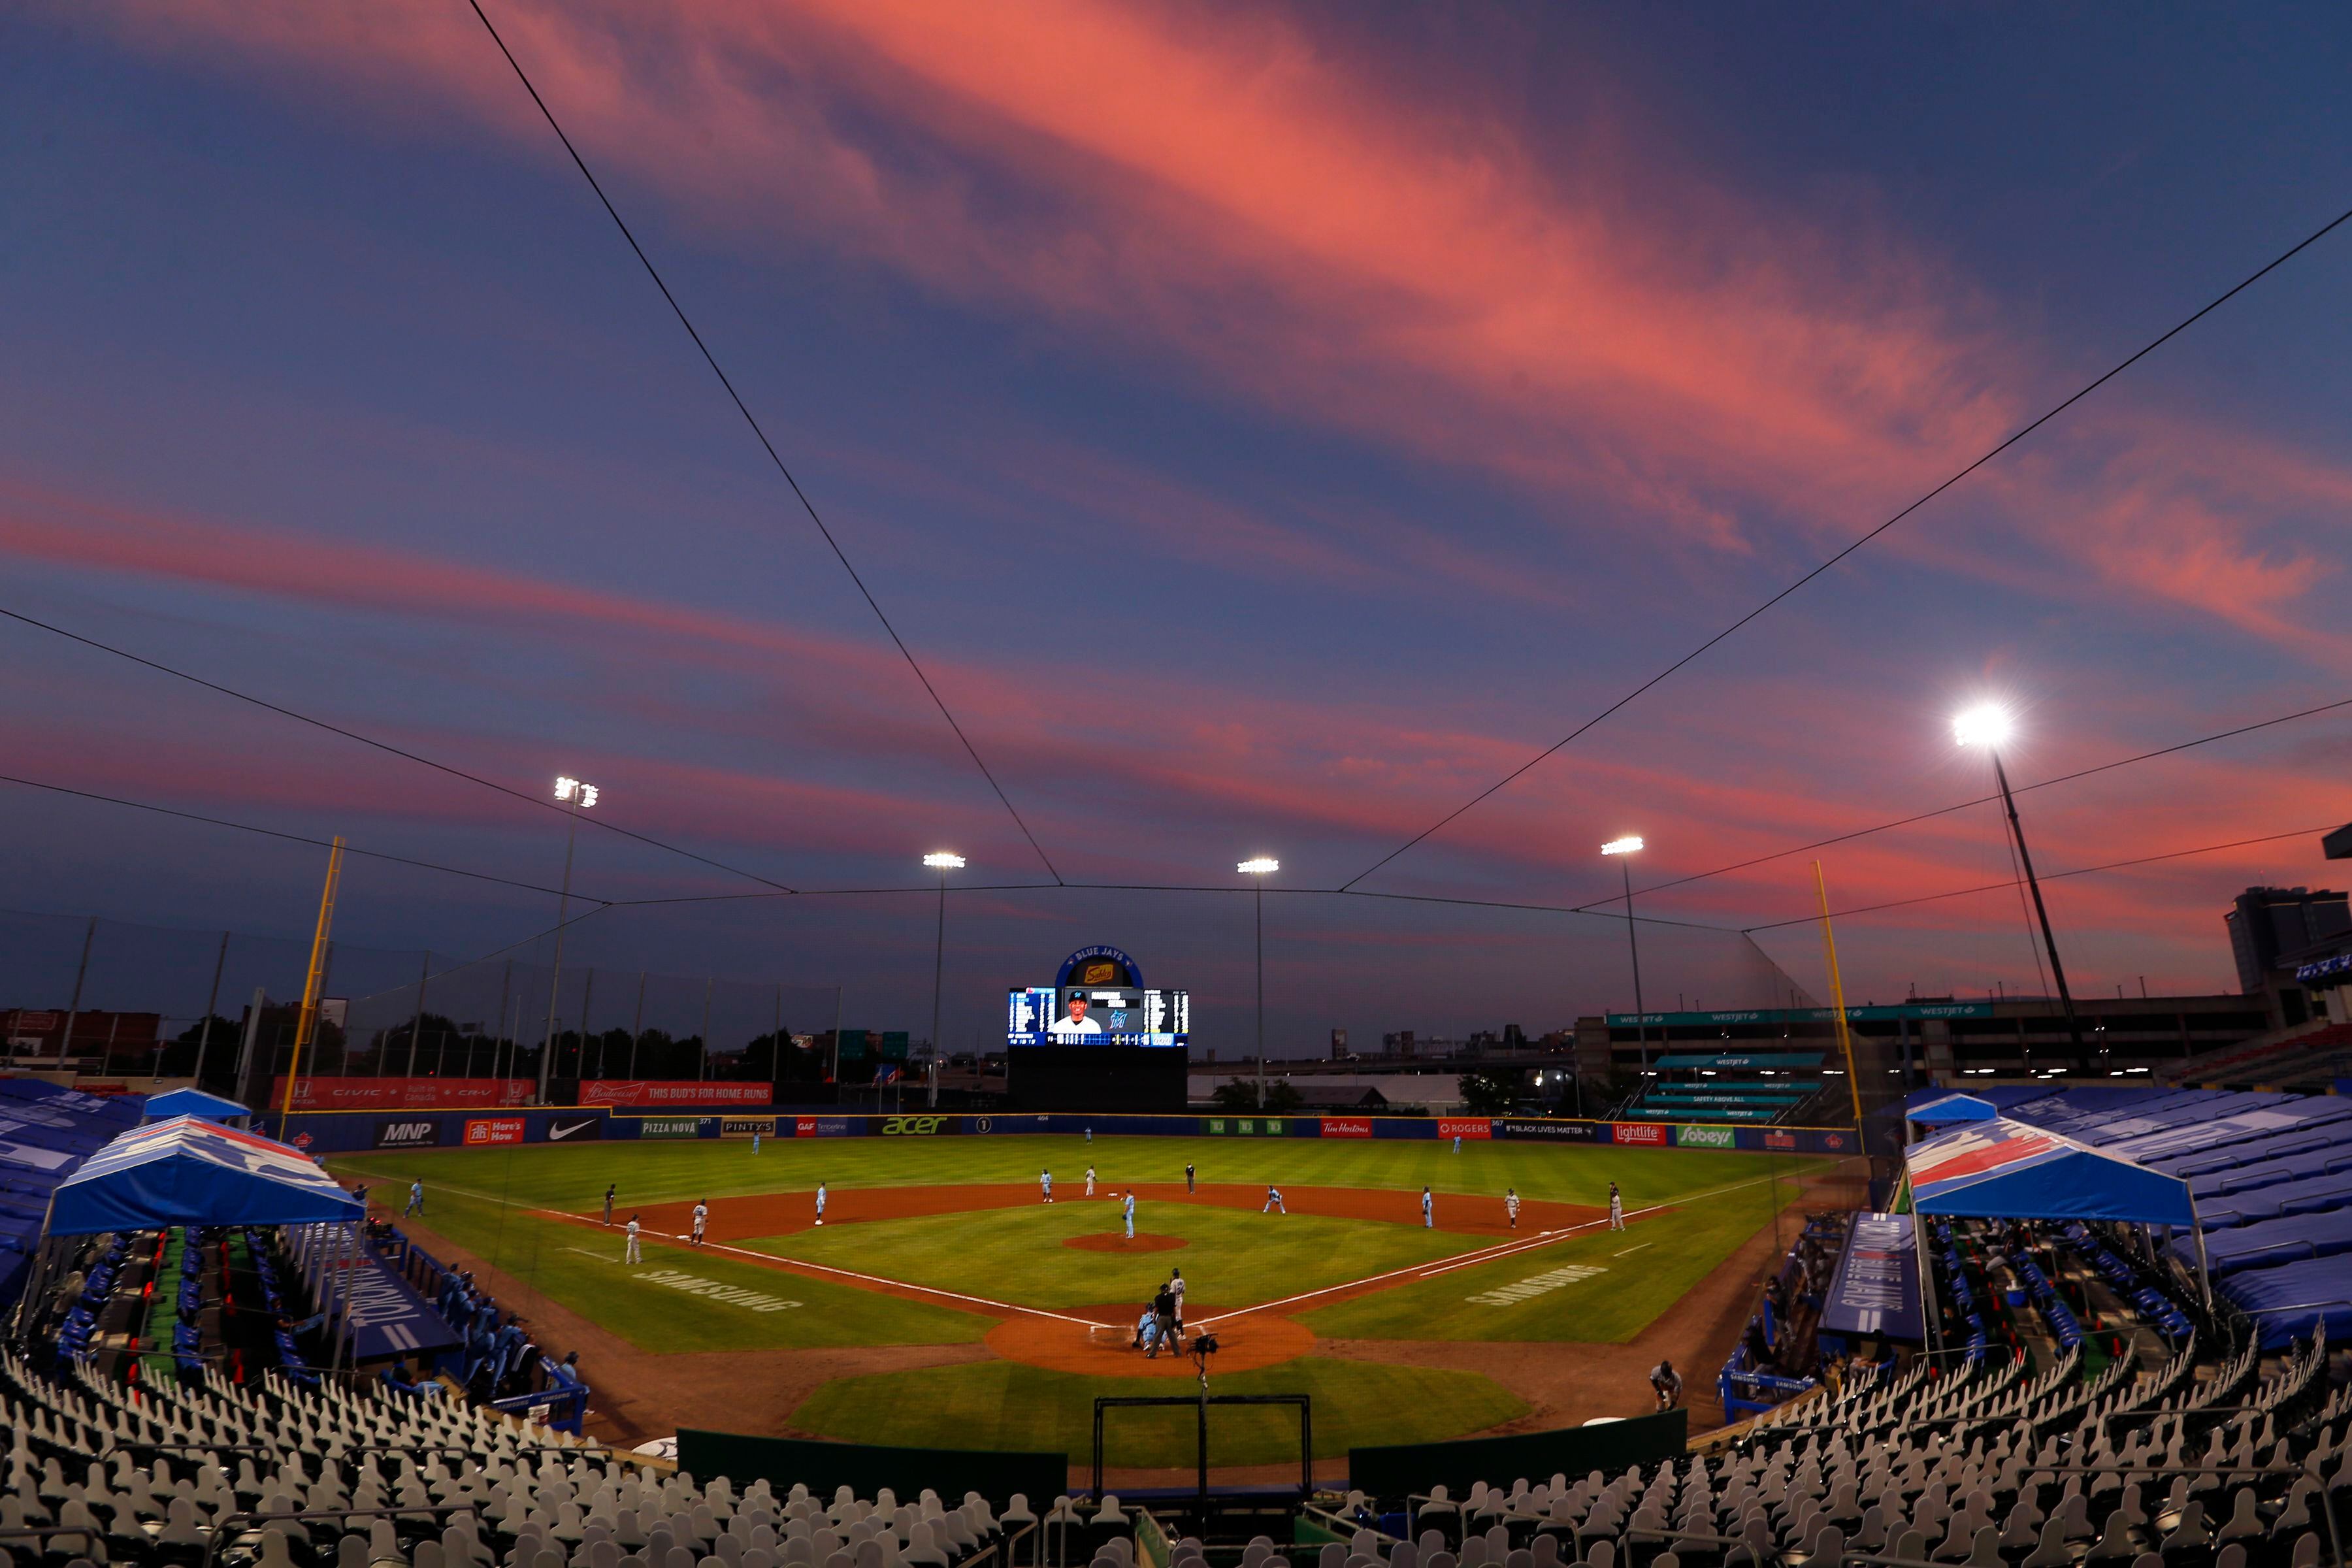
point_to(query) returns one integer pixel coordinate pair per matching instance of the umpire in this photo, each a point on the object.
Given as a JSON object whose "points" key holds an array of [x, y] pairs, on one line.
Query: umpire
{"points": [[1163, 1309]]}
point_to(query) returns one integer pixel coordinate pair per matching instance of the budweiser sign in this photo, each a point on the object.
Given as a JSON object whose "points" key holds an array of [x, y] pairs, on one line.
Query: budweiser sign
{"points": [[665, 1095]]}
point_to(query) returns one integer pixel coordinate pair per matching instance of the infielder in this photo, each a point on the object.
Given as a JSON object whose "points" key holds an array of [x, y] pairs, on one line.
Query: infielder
{"points": [[1130, 1214], [1090, 1180], [1511, 1205], [1190, 1185], [608, 1201], [633, 1255], [701, 1217], [1045, 1186], [1428, 1211], [1616, 1208], [1273, 1199], [820, 1202]]}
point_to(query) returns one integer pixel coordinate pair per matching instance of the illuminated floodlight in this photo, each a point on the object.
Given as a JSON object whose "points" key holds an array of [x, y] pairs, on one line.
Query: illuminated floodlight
{"points": [[941, 861], [1628, 844], [1259, 866], [565, 788], [1986, 724]]}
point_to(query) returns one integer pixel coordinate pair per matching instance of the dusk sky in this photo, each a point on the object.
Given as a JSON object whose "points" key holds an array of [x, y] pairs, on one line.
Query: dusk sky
{"points": [[1267, 427]]}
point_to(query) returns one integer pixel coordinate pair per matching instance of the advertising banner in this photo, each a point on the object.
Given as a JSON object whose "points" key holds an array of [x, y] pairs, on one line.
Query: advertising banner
{"points": [[1876, 1287], [1347, 1127], [670, 1126], [388, 1317], [1776, 1138], [484, 1130], [1246, 1126], [401, 1093], [574, 1129], [1572, 1131], [746, 1127], [1643, 1134], [1689, 1137], [917, 1126], [1465, 1127], [823, 1127], [409, 1132], [664, 1095]]}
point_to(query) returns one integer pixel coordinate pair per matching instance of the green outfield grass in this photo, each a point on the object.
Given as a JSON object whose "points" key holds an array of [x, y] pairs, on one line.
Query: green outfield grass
{"points": [[1637, 1273], [680, 1302], [1235, 1258], [1005, 1405]]}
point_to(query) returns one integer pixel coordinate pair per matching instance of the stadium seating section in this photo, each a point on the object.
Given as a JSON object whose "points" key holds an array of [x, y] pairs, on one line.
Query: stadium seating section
{"points": [[45, 1132]]}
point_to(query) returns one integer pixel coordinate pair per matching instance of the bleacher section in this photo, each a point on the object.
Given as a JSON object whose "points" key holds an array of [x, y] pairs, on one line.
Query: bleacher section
{"points": [[1751, 1086], [2310, 1056], [45, 1132]]}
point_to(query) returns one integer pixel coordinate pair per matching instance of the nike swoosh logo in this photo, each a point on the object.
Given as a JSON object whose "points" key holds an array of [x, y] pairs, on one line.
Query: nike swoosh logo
{"points": [[557, 1134]]}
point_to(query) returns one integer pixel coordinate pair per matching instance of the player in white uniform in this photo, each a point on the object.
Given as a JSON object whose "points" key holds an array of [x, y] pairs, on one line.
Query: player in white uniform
{"points": [[633, 1255], [1045, 1186], [1176, 1288], [820, 1202], [1130, 1214], [1428, 1211], [702, 1219], [1273, 1200], [1616, 1208], [1090, 1180], [1511, 1205]]}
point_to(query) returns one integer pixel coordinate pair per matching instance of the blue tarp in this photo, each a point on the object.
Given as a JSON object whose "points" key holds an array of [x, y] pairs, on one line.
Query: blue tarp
{"points": [[388, 1317], [1875, 1290], [2273, 1242], [195, 1102], [2290, 1302], [2006, 1169], [1950, 1110], [189, 1172], [2308, 1194]]}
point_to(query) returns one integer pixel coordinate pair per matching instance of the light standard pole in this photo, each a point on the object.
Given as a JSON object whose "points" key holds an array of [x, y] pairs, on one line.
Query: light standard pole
{"points": [[1628, 846], [942, 862], [1987, 725], [583, 796], [1258, 868]]}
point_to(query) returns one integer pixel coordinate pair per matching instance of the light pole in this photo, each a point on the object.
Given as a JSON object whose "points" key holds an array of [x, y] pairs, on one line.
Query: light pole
{"points": [[582, 796], [1987, 725], [1623, 847], [1259, 867], [942, 862]]}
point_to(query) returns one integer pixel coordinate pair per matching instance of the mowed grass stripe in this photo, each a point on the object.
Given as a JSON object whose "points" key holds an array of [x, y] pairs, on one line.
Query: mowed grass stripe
{"points": [[1007, 1404], [682, 1300]]}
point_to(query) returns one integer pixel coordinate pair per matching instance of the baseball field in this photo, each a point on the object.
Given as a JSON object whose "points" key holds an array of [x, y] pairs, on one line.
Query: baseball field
{"points": [[943, 1303]]}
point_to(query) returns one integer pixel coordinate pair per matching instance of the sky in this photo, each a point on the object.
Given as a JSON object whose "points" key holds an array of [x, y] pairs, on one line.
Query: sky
{"points": [[1266, 426]]}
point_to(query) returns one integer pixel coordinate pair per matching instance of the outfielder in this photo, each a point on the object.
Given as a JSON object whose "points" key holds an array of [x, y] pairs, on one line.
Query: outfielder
{"points": [[1457, 1142], [633, 1255], [1130, 1214], [415, 1199], [702, 1219], [1511, 1205], [1616, 1208], [1428, 1211], [1273, 1199], [1045, 1186]]}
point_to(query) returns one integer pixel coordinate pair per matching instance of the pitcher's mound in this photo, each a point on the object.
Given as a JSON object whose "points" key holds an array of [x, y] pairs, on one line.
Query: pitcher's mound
{"points": [[1144, 1241]]}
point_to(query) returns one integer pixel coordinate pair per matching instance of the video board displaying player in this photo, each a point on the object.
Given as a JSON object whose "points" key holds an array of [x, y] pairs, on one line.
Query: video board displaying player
{"points": [[1097, 1015]]}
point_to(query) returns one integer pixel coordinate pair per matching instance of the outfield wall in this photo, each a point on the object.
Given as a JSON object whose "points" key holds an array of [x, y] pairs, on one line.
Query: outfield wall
{"points": [[348, 1132]]}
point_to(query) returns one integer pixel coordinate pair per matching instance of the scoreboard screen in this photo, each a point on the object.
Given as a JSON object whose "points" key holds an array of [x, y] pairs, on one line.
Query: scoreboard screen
{"points": [[1098, 1015]]}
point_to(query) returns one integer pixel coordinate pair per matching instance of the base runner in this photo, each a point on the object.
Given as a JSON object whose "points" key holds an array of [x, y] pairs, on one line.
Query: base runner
{"points": [[1511, 1205]]}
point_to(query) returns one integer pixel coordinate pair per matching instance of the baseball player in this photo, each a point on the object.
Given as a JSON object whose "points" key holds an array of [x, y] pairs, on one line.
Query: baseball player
{"points": [[1090, 1180], [1163, 1307], [1457, 1142], [1273, 1200], [1190, 1185], [1176, 1291], [1616, 1208], [820, 1202], [1511, 1205], [1428, 1211], [415, 1199], [1147, 1329], [1667, 1383], [1090, 1134], [702, 1219], [609, 1190], [755, 1140], [1130, 1214], [633, 1255], [1046, 1186]]}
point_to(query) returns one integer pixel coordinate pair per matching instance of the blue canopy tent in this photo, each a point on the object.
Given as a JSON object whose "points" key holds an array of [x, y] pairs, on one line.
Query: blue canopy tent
{"points": [[196, 1102], [2009, 1169], [190, 1172], [1927, 1108]]}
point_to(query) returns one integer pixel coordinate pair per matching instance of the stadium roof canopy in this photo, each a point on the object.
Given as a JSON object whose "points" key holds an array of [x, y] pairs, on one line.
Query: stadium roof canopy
{"points": [[1948, 1110], [192, 1172], [195, 1102], [2009, 1169]]}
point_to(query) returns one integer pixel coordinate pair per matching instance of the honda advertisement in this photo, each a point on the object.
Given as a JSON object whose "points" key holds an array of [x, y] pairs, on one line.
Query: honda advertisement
{"points": [[410, 1132], [486, 1129], [401, 1093], [680, 1095], [1464, 1127], [1642, 1134]]}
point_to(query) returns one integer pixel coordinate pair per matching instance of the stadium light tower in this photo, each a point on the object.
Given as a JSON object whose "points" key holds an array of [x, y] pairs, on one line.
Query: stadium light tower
{"points": [[583, 796], [1628, 846], [1258, 868], [943, 862], [1989, 726]]}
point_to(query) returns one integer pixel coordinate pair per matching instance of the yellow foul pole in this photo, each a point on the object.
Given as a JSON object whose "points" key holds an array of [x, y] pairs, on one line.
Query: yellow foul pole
{"points": [[308, 1019], [1837, 997]]}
